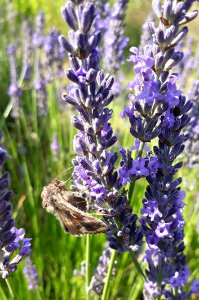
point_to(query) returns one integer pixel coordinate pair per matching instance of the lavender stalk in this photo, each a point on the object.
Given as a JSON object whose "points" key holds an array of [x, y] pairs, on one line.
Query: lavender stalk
{"points": [[94, 166], [31, 274], [115, 42], [40, 81], [98, 280], [103, 15], [14, 90], [159, 103], [12, 239], [114, 38]]}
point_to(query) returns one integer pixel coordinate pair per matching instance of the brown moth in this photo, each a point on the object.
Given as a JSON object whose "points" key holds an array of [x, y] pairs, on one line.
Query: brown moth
{"points": [[70, 209]]}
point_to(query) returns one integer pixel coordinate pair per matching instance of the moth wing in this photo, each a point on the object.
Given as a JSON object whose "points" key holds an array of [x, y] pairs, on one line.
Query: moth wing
{"points": [[68, 224], [67, 221], [76, 200], [92, 225], [77, 222]]}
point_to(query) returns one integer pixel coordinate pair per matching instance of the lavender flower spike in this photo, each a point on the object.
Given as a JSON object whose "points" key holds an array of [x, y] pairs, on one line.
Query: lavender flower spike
{"points": [[90, 94], [103, 15], [99, 277], [158, 109], [11, 238], [115, 41], [14, 90], [31, 274]]}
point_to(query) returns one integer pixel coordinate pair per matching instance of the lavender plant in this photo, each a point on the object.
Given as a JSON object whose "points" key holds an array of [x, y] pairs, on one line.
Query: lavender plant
{"points": [[157, 100], [14, 246], [94, 165]]}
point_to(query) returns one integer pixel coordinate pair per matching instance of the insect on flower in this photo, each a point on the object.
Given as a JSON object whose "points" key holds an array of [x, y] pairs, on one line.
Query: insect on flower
{"points": [[70, 209]]}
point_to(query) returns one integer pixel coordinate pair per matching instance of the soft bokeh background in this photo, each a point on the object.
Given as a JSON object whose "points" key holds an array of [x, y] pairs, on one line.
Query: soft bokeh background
{"points": [[32, 163]]}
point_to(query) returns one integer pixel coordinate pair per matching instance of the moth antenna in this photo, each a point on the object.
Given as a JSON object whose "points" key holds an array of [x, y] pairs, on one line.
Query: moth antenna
{"points": [[68, 180], [66, 171]]}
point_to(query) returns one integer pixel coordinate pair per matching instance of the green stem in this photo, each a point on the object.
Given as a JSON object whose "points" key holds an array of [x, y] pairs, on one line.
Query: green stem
{"points": [[87, 265], [108, 277], [130, 190], [7, 110], [38, 295], [9, 288], [137, 265]]}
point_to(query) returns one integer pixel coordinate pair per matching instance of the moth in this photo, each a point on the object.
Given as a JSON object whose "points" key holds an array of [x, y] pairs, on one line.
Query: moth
{"points": [[70, 209]]}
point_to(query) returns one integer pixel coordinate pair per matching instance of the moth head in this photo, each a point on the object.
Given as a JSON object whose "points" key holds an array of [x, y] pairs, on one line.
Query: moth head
{"points": [[48, 199]]}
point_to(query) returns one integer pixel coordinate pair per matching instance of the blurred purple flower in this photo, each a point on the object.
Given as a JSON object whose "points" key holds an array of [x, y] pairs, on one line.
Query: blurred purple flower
{"points": [[30, 272]]}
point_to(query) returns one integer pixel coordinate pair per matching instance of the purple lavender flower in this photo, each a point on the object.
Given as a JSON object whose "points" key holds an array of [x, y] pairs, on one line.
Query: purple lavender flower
{"points": [[146, 37], [99, 277], [103, 14], [55, 55], [115, 42], [195, 287], [159, 110], [40, 88], [26, 72], [55, 148], [55, 145], [30, 272], [12, 239], [38, 36], [90, 94], [14, 90]]}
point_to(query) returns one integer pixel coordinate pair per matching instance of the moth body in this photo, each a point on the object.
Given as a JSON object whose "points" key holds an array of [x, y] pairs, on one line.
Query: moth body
{"points": [[70, 208]]}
